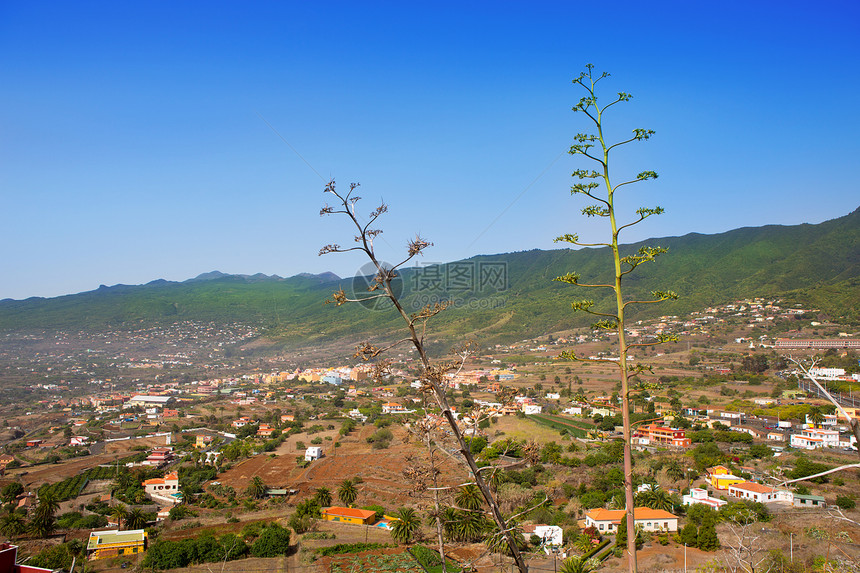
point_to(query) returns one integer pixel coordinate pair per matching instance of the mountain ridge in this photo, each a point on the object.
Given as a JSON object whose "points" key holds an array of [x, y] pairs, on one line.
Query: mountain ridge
{"points": [[814, 264]]}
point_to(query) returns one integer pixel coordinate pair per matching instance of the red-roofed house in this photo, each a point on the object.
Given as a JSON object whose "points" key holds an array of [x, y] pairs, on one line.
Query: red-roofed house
{"points": [[659, 434]]}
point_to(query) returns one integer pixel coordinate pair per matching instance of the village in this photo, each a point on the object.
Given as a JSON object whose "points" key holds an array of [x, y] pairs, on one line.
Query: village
{"points": [[725, 431]]}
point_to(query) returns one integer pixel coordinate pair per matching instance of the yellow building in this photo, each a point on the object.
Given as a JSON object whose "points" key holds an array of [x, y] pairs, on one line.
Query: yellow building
{"points": [[105, 544], [853, 413], [721, 477], [349, 515]]}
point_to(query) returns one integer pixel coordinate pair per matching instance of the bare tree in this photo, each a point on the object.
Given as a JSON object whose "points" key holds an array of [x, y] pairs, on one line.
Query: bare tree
{"points": [[744, 550], [433, 374], [424, 478]]}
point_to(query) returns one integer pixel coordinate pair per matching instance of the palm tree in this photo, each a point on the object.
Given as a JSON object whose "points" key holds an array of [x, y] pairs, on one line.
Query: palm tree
{"points": [[13, 524], [643, 498], [123, 481], [583, 544], [469, 497], [469, 526], [347, 492], [494, 480], [135, 519], [406, 525], [674, 471], [44, 522], [450, 517], [662, 500], [257, 488], [497, 543], [120, 513], [578, 565], [815, 416], [323, 496]]}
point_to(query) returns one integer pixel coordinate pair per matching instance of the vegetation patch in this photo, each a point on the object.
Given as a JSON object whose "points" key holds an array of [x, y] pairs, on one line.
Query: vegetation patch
{"points": [[398, 562], [342, 548], [431, 561], [559, 423]]}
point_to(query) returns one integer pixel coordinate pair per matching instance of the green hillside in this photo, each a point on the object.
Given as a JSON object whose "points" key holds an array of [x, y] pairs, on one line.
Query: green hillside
{"points": [[818, 265]]}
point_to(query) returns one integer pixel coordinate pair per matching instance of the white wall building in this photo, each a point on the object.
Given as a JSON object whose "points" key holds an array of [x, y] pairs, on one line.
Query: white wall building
{"points": [[761, 493], [812, 438], [699, 495], [164, 489], [551, 535], [829, 420], [827, 373], [313, 453], [148, 401]]}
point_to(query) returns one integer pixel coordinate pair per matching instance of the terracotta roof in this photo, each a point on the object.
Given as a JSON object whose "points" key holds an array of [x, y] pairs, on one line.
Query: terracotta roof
{"points": [[172, 476], [639, 513], [349, 512], [753, 487]]}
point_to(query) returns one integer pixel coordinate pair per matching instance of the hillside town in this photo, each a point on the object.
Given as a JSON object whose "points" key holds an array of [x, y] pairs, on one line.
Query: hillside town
{"points": [[726, 428]]}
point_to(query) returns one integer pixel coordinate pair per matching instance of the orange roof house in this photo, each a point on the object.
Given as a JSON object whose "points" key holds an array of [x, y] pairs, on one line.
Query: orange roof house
{"points": [[607, 520], [349, 515], [760, 493], [265, 430], [164, 489]]}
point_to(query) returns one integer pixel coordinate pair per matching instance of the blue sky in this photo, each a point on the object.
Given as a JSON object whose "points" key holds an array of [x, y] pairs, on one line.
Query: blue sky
{"points": [[134, 142]]}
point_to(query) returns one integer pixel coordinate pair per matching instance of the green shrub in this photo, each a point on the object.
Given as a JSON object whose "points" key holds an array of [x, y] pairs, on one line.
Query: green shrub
{"points": [[845, 502], [342, 548], [273, 541]]}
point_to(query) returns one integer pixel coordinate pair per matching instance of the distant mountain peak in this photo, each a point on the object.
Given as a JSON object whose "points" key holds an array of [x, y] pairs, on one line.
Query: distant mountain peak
{"points": [[322, 277], [210, 276]]}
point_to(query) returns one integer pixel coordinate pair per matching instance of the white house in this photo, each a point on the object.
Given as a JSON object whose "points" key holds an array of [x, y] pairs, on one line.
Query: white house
{"points": [[148, 401], [699, 495], [532, 409], [812, 438], [573, 411], [313, 453], [827, 373], [815, 501], [553, 396], [551, 535], [394, 408], [607, 520], [356, 415], [761, 493], [164, 489]]}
